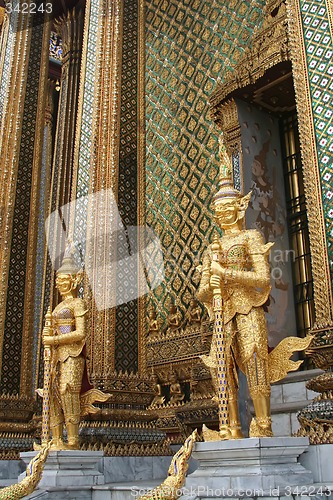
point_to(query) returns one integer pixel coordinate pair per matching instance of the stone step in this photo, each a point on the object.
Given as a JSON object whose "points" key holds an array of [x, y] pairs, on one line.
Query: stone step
{"points": [[7, 482], [120, 491], [124, 491]]}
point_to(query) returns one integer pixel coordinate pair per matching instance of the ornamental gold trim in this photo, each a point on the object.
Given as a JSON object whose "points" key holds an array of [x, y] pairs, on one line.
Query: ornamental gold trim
{"points": [[28, 323], [329, 7], [105, 167], [10, 138], [312, 184], [269, 46], [142, 327]]}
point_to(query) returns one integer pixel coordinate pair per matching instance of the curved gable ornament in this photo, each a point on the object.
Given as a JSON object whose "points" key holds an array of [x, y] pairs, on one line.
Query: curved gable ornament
{"points": [[280, 39], [269, 46]]}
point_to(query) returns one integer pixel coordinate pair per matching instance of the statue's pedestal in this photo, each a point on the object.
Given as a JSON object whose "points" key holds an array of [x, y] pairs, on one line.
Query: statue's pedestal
{"points": [[256, 467], [318, 458], [68, 468]]}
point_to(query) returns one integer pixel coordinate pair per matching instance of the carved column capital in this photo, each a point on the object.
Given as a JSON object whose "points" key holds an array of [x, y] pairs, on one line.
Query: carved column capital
{"points": [[69, 27]]}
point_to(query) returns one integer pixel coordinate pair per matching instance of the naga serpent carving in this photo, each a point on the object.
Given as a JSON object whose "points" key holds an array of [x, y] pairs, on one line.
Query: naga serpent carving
{"points": [[171, 486], [34, 472]]}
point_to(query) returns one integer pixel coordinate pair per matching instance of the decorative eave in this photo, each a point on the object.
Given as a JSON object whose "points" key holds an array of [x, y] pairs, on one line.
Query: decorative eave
{"points": [[268, 48]]}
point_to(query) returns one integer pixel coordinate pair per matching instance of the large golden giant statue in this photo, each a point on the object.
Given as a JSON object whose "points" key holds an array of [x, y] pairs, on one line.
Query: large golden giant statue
{"points": [[235, 283], [65, 375]]}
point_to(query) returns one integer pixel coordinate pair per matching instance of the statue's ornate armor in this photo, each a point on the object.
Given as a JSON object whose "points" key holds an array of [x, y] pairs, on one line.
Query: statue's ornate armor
{"points": [[64, 323], [68, 361], [245, 289], [245, 256], [235, 284]]}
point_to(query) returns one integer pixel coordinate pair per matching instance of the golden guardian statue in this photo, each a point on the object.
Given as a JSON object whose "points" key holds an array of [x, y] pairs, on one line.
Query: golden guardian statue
{"points": [[67, 393], [235, 284]]}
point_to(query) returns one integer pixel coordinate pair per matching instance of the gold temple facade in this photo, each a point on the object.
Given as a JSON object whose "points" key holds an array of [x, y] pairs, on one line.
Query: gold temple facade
{"points": [[129, 98]]}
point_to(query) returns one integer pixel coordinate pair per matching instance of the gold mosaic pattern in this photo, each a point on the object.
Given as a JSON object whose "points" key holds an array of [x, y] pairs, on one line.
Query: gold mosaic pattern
{"points": [[11, 115], [22, 169], [314, 143], [189, 45], [126, 342], [318, 42]]}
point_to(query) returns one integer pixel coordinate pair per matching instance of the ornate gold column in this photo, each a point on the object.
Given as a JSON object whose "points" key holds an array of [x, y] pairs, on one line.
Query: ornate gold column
{"points": [[142, 323], [23, 80], [70, 29], [314, 132], [43, 266], [109, 165], [105, 20]]}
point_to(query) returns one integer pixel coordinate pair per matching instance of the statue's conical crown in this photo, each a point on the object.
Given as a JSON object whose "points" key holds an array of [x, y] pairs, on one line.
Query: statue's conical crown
{"points": [[68, 265], [226, 185]]}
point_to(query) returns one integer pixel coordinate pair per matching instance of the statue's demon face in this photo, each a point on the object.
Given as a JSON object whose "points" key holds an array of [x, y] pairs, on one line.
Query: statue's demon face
{"points": [[230, 211], [226, 212], [64, 283]]}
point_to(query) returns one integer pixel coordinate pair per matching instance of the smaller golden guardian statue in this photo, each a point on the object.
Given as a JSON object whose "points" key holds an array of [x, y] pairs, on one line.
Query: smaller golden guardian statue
{"points": [[65, 374], [235, 283]]}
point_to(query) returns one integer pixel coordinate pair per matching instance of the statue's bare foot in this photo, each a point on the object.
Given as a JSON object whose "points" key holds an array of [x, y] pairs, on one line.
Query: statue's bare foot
{"points": [[236, 433], [73, 446], [211, 435], [261, 427], [225, 433]]}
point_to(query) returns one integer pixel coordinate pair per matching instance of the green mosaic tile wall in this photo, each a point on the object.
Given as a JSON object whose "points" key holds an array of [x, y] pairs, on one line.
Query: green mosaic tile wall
{"points": [[319, 50], [189, 43]]}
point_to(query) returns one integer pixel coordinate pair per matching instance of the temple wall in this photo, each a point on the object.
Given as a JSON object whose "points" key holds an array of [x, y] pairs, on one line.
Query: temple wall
{"points": [[267, 212], [190, 44], [310, 34], [317, 23]]}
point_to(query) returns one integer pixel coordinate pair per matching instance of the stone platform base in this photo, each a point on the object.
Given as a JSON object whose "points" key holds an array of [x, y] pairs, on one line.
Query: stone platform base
{"points": [[319, 459], [248, 468], [120, 491], [68, 468]]}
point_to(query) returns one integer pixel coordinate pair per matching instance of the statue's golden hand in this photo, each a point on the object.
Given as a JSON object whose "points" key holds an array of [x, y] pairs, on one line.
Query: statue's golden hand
{"points": [[217, 270], [215, 282], [47, 331], [48, 340]]}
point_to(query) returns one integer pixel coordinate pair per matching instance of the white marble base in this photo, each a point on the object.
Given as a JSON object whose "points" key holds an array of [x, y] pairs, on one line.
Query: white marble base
{"points": [[126, 469], [319, 459], [125, 491], [68, 468], [247, 467]]}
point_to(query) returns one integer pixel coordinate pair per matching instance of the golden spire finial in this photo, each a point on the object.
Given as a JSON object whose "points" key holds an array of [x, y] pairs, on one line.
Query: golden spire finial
{"points": [[225, 161], [226, 185], [68, 265]]}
